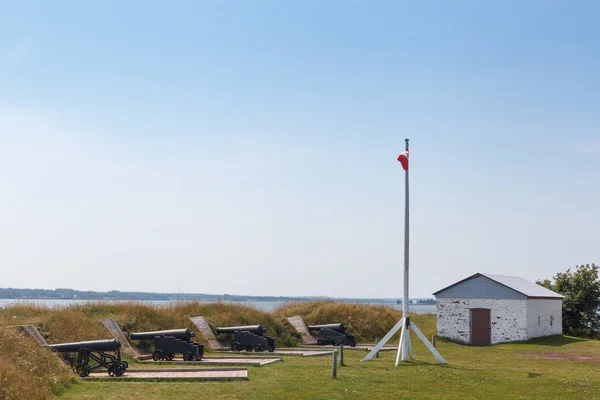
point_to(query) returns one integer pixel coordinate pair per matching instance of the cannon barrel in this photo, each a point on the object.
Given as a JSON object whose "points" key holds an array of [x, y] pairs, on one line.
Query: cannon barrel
{"points": [[96, 345], [256, 329], [183, 334], [338, 327]]}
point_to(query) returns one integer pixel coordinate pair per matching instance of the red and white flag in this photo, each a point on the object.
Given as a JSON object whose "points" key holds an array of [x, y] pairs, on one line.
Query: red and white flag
{"points": [[403, 158]]}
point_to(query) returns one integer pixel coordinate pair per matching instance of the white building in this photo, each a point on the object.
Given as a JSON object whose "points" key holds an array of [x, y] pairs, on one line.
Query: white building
{"points": [[487, 309]]}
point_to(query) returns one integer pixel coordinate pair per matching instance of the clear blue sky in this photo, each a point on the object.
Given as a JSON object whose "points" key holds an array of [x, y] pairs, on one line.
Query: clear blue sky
{"points": [[250, 147]]}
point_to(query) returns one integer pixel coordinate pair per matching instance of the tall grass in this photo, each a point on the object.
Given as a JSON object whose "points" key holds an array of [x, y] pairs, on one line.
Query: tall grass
{"points": [[229, 314], [138, 317], [22, 313], [71, 325], [27, 371], [80, 321], [367, 322]]}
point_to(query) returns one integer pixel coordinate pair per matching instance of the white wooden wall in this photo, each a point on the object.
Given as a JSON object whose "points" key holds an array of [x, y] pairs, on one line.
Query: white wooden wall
{"points": [[544, 317], [508, 318], [512, 320]]}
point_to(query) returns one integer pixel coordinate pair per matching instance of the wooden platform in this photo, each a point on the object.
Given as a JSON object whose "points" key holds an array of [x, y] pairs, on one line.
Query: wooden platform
{"points": [[306, 352], [174, 374], [223, 360], [362, 347], [297, 352]]}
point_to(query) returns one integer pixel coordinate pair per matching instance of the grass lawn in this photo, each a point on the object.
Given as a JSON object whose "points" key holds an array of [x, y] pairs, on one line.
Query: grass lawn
{"points": [[549, 368]]}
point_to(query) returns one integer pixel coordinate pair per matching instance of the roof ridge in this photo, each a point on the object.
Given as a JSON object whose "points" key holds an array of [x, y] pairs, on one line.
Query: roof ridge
{"points": [[517, 284]]}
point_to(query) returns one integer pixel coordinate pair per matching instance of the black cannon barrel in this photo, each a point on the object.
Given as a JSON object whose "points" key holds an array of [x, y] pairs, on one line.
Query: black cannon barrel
{"points": [[183, 334], [256, 329], [96, 345], [338, 327]]}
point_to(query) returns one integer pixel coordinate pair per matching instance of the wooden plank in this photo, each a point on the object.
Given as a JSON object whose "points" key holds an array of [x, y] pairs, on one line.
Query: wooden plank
{"points": [[34, 333], [366, 347], [118, 333], [187, 369], [206, 374], [298, 323], [289, 352], [202, 324], [257, 361]]}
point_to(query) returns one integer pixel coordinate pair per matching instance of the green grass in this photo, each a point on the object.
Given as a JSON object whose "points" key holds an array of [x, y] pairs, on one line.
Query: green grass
{"points": [[507, 371], [548, 368]]}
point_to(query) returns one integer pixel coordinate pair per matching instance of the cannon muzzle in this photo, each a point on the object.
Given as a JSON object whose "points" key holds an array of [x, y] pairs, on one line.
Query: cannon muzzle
{"points": [[95, 345], [256, 329], [183, 334], [338, 327]]}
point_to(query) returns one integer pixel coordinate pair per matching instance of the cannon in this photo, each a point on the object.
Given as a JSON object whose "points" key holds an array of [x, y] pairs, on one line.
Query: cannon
{"points": [[170, 342], [95, 350], [249, 337], [333, 334], [183, 334]]}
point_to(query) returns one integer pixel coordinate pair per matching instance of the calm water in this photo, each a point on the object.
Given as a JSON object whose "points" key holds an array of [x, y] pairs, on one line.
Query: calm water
{"points": [[263, 305]]}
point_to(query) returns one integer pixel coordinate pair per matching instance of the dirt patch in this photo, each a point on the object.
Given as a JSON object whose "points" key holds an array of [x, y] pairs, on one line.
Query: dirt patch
{"points": [[563, 357]]}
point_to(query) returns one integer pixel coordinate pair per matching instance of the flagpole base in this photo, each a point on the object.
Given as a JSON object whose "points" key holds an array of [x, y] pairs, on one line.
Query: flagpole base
{"points": [[405, 346]]}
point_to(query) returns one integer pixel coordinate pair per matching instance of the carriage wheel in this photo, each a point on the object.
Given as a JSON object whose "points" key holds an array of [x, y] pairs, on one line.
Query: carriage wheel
{"points": [[235, 346], [120, 369], [171, 356], [258, 347], [271, 349], [157, 355], [248, 347], [320, 342], [187, 356], [83, 370]]}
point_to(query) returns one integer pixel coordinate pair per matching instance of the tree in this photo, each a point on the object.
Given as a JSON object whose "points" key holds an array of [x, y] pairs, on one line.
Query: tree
{"points": [[581, 304]]}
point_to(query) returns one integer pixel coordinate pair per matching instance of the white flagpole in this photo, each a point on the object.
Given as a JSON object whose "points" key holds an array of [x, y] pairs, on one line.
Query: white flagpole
{"points": [[404, 337], [405, 348], [406, 232]]}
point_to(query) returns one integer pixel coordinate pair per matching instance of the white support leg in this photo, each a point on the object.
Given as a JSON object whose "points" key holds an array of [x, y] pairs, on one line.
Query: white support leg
{"points": [[385, 339], [410, 354], [402, 343], [405, 342], [426, 342]]}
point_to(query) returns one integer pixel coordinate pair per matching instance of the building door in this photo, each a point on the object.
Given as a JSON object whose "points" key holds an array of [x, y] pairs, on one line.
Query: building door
{"points": [[481, 327]]}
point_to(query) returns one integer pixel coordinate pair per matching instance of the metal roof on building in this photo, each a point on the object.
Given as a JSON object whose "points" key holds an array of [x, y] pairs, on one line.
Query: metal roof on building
{"points": [[516, 283]]}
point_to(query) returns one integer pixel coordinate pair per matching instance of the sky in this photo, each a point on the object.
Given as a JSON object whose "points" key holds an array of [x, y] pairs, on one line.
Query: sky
{"points": [[250, 147]]}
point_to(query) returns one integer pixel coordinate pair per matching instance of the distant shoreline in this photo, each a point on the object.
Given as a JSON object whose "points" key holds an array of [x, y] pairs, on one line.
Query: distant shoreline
{"points": [[115, 295], [263, 305]]}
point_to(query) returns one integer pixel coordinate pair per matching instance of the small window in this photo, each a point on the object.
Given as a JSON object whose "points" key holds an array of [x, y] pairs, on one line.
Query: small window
{"points": [[539, 320], [551, 320]]}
